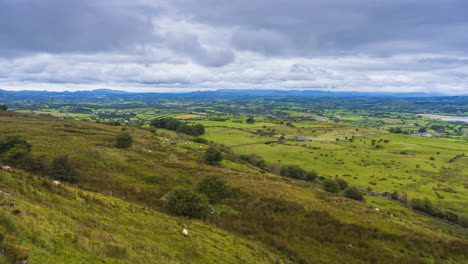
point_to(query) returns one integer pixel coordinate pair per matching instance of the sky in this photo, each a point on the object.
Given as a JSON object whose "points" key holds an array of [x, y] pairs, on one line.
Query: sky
{"points": [[187, 45]]}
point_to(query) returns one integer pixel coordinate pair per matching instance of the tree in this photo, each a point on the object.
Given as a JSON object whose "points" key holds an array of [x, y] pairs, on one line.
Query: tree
{"points": [[250, 120], [199, 129], [396, 130], [3, 108], [331, 186], [214, 187], [172, 124], [213, 155], [311, 176], [342, 183], [62, 169], [354, 193], [186, 129], [185, 202], [10, 142], [123, 140], [293, 171]]}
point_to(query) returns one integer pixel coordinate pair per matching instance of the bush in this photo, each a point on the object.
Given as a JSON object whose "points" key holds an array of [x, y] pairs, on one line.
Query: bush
{"points": [[213, 187], [331, 186], [3, 108], [342, 183], [9, 142], [61, 169], [213, 155], [354, 193], [311, 176], [293, 171], [123, 140], [250, 120], [185, 202]]}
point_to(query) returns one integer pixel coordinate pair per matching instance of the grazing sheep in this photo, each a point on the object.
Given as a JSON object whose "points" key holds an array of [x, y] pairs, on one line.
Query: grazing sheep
{"points": [[377, 209], [185, 232], [57, 182], [6, 168]]}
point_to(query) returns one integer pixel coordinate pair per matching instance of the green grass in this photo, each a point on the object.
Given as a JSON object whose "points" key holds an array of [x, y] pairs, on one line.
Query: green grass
{"points": [[115, 214]]}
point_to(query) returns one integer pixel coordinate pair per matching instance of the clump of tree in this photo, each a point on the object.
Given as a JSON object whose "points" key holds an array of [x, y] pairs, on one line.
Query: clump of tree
{"points": [[3, 107], [213, 156], [16, 151], [63, 170], [354, 193], [178, 126], [254, 160], [426, 206], [250, 120], [296, 172], [396, 130], [186, 202], [331, 185], [214, 187], [123, 140]]}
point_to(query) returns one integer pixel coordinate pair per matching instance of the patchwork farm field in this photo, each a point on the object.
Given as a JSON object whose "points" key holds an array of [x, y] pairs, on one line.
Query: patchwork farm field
{"points": [[372, 159]]}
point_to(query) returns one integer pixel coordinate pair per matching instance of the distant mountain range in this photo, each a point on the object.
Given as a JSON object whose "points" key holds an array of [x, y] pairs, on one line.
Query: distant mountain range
{"points": [[223, 92]]}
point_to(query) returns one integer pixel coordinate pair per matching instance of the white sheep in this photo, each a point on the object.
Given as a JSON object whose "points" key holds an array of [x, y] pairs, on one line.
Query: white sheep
{"points": [[377, 209], [185, 232], [57, 182], [6, 168]]}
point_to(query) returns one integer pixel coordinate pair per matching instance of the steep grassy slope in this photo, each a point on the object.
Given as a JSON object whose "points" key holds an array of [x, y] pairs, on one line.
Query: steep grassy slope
{"points": [[66, 225], [268, 218]]}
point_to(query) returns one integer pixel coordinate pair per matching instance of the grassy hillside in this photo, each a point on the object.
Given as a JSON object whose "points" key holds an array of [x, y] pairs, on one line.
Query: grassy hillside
{"points": [[115, 215]]}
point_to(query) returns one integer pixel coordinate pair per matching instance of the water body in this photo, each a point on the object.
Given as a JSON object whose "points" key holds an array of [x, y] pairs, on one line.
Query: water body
{"points": [[446, 118]]}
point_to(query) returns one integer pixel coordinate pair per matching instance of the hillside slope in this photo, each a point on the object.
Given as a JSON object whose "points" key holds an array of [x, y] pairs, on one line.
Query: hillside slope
{"points": [[115, 215]]}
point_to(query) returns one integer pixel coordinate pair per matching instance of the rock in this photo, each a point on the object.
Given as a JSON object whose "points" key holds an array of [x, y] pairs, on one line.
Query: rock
{"points": [[211, 209], [164, 198], [185, 232]]}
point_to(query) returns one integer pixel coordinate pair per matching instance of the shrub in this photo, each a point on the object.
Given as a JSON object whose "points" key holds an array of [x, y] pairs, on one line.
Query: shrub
{"points": [[354, 193], [213, 187], [199, 129], [213, 155], [9, 142], [186, 129], [254, 160], [342, 183], [293, 171], [185, 202], [331, 186], [123, 140], [311, 176], [250, 120], [61, 169]]}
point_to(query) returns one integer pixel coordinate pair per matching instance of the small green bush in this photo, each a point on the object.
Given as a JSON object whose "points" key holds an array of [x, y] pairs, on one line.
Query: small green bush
{"points": [[185, 202], [331, 186], [123, 140], [61, 169], [213, 155], [354, 193], [342, 183], [214, 187]]}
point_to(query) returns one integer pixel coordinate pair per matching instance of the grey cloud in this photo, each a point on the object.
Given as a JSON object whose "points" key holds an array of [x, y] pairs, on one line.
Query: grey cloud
{"points": [[72, 26], [189, 45], [342, 26]]}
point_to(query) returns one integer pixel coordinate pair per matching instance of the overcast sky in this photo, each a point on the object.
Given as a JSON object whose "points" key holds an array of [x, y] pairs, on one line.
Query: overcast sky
{"points": [[184, 45]]}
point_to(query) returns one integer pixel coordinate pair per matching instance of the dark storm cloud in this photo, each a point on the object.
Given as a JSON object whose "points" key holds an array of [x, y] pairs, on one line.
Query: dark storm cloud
{"points": [[72, 26], [334, 27]]}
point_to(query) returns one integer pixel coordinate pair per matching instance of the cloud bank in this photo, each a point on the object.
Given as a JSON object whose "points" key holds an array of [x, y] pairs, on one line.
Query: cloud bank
{"points": [[184, 45]]}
